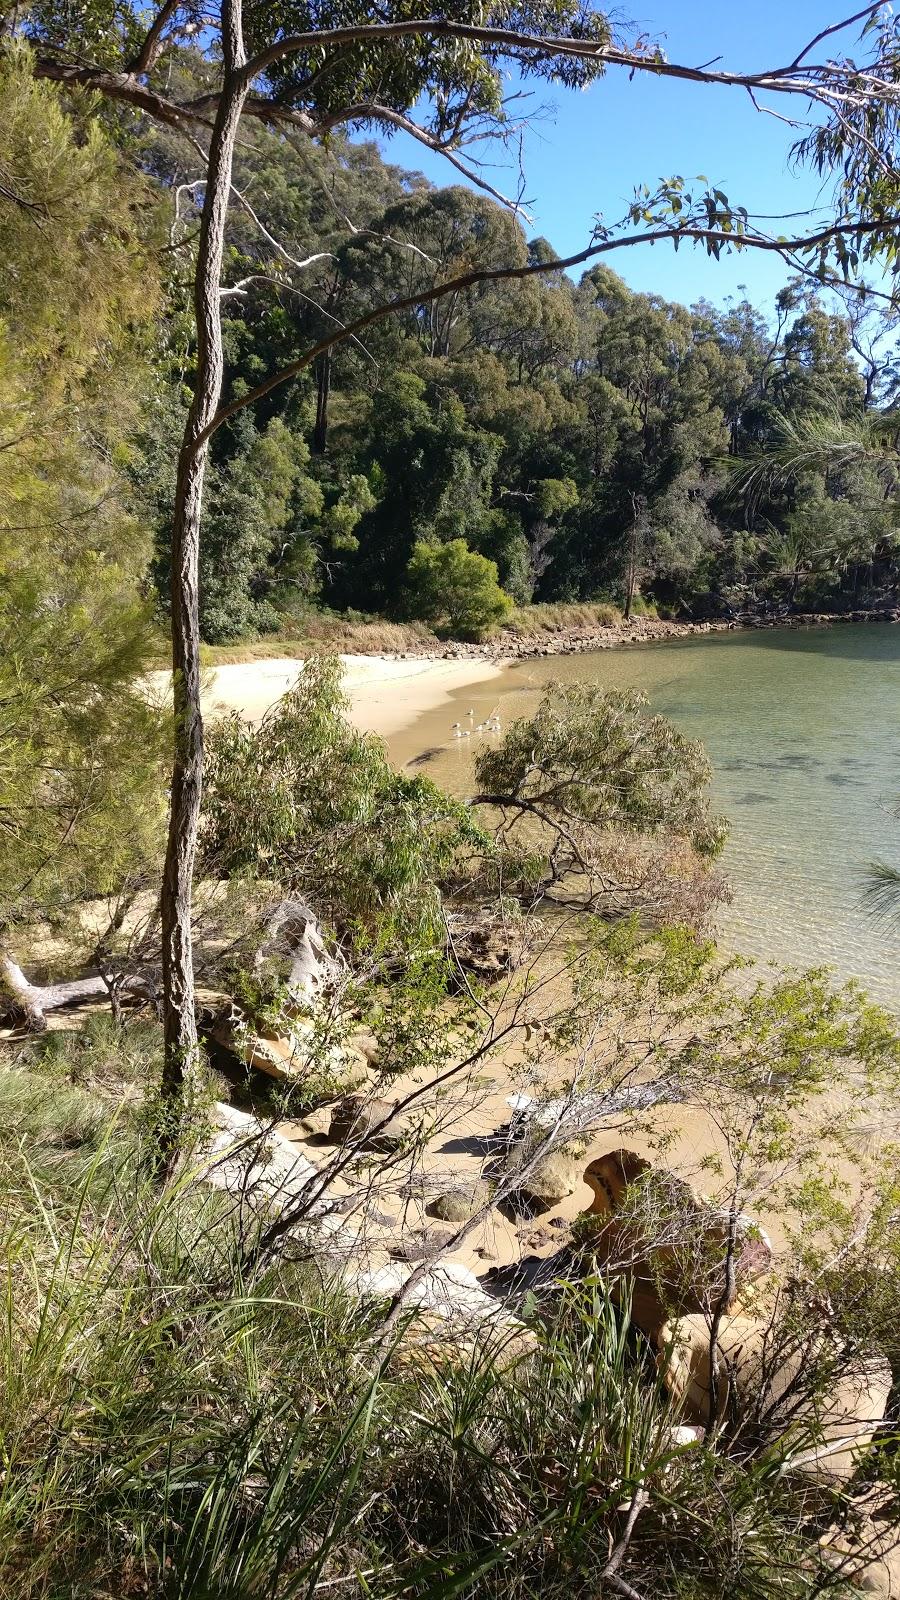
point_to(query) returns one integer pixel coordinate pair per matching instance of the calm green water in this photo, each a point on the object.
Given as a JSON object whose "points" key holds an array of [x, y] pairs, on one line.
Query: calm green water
{"points": [[802, 728]]}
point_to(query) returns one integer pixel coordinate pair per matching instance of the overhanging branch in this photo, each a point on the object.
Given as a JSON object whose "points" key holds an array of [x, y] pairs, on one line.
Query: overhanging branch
{"points": [[711, 237], [816, 82]]}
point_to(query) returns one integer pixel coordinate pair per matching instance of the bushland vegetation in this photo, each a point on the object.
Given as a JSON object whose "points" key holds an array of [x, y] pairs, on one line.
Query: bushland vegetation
{"points": [[261, 1376], [238, 1356]]}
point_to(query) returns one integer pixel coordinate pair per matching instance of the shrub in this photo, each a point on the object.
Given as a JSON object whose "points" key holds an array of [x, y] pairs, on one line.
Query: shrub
{"points": [[557, 616], [175, 1429], [611, 800], [306, 801], [456, 589]]}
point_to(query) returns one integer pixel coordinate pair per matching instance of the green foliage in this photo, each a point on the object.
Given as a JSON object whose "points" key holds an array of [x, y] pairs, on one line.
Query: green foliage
{"points": [[555, 496], [79, 742], [578, 436], [80, 804], [176, 1422], [601, 754], [75, 280], [262, 504], [456, 589], [460, 77], [589, 772], [306, 801]]}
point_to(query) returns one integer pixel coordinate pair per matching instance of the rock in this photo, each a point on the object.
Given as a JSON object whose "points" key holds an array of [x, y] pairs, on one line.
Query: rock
{"points": [[686, 1434], [448, 1289], [420, 1243], [366, 1046], [549, 1180], [880, 1575], [683, 1275], [461, 1202], [485, 946], [232, 1032], [610, 1176], [844, 1421], [370, 1121], [315, 1123], [294, 947], [288, 1056], [247, 1157], [538, 1238]]}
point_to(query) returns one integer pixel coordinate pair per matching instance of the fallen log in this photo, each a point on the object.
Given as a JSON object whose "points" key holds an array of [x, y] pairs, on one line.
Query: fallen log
{"points": [[32, 1001]]}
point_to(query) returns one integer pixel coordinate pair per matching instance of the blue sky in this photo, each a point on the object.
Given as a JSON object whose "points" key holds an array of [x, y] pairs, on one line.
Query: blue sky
{"points": [[587, 150]]}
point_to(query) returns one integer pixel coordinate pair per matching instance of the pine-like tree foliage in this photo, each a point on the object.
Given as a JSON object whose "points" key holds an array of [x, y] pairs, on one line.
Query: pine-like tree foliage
{"points": [[79, 798]]}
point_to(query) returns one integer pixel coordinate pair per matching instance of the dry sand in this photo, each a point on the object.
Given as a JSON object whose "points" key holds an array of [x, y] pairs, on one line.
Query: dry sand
{"points": [[387, 695], [390, 697]]}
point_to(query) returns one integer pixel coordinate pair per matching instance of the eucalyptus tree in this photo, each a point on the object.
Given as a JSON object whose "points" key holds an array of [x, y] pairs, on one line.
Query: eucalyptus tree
{"points": [[279, 65]]}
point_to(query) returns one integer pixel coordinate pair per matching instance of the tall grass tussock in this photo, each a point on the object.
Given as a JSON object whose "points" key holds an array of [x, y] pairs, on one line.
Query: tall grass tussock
{"points": [[176, 1423]]}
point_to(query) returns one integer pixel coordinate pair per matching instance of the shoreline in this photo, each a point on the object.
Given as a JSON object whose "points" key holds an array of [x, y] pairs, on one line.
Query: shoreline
{"points": [[389, 692], [507, 647]]}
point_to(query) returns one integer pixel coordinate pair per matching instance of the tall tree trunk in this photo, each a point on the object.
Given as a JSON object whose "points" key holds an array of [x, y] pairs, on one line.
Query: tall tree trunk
{"points": [[179, 1022], [323, 390], [631, 577], [638, 506]]}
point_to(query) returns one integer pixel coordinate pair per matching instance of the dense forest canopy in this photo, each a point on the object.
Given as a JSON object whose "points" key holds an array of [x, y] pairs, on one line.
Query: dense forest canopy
{"points": [[366, 391], [579, 435]]}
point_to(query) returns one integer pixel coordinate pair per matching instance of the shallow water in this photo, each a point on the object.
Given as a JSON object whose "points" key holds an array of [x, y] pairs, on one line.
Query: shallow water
{"points": [[803, 732]]}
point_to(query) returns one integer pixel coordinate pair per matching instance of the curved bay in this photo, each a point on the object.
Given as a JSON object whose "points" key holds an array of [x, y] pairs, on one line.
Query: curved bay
{"points": [[791, 709]]}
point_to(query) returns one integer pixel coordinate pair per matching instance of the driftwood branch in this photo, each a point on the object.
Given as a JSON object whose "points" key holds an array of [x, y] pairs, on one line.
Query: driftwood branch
{"points": [[33, 1000]]}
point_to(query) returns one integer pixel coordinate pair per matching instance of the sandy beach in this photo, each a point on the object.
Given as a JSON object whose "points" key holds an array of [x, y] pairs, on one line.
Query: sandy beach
{"points": [[387, 695]]}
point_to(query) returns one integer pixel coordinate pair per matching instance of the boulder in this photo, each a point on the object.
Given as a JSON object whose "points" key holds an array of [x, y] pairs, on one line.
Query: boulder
{"points": [[418, 1244], [609, 1177], [232, 1032], [459, 1203], [449, 1290], [672, 1251], [831, 1430], [485, 946], [364, 1042], [315, 1123], [290, 1055], [370, 1121], [253, 1160], [548, 1180], [294, 948]]}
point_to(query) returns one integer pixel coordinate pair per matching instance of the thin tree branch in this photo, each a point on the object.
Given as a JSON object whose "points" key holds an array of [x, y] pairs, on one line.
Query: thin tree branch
{"points": [[151, 49], [468, 280], [837, 27], [610, 1573], [123, 86], [372, 111], [826, 82], [781, 80]]}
